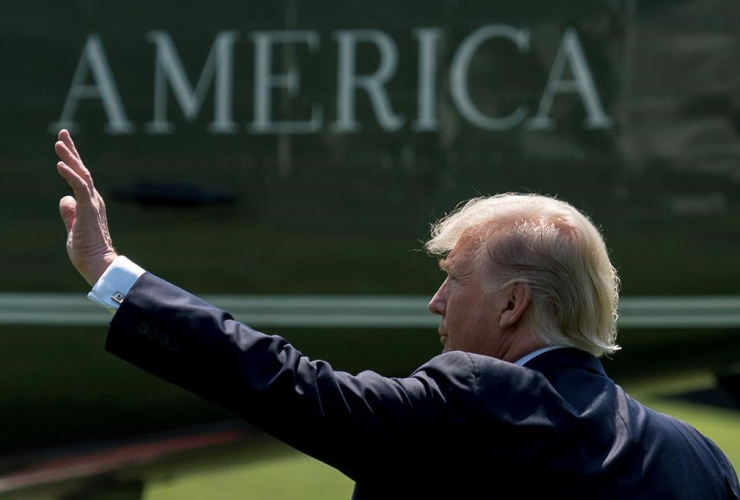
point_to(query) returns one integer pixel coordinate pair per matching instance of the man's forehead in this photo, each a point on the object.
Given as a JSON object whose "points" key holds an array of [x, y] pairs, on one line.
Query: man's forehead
{"points": [[462, 254]]}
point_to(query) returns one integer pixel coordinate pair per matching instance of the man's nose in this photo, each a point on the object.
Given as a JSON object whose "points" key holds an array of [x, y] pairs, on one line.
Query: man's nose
{"points": [[437, 304]]}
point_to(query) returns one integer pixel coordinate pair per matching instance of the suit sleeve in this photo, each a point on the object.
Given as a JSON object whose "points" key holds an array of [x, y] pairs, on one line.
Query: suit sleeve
{"points": [[350, 422]]}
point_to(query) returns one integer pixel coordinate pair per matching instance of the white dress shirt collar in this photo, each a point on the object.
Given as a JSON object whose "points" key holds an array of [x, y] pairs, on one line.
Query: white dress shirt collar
{"points": [[534, 354]]}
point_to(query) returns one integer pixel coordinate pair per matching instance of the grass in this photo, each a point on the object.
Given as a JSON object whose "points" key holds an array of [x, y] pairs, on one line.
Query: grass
{"points": [[293, 476], [719, 425], [287, 476]]}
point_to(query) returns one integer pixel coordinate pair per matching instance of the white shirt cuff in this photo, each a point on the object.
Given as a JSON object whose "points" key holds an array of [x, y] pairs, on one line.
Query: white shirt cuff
{"points": [[115, 283]]}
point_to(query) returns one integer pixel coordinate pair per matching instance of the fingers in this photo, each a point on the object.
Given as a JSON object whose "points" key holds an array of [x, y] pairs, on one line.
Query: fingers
{"points": [[80, 187], [72, 161], [68, 211], [66, 138], [67, 152]]}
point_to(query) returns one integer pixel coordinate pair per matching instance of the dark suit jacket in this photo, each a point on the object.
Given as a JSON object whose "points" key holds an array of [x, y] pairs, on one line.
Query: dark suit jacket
{"points": [[461, 426]]}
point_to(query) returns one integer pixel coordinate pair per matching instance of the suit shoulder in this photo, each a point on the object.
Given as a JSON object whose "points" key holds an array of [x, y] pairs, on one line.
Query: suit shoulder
{"points": [[448, 366], [478, 373]]}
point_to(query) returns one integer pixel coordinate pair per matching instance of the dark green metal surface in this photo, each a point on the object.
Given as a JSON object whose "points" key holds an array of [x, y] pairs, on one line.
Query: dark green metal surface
{"points": [[340, 211]]}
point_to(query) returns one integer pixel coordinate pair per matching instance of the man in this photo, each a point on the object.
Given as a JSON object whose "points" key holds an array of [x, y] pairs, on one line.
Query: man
{"points": [[517, 406]]}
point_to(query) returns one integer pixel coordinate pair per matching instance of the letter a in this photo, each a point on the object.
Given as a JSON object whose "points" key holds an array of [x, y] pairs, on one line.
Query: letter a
{"points": [[571, 53], [93, 61]]}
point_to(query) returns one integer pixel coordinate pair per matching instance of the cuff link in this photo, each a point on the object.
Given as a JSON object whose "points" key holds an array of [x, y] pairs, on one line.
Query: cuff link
{"points": [[118, 297]]}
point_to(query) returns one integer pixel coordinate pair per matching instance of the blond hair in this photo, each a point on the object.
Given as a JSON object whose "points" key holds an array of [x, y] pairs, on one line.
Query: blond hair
{"points": [[556, 251]]}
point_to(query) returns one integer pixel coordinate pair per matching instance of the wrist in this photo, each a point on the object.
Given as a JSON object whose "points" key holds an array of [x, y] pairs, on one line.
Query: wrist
{"points": [[95, 272]]}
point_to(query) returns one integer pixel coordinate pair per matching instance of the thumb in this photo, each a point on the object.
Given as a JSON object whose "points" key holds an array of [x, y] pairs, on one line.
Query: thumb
{"points": [[68, 211]]}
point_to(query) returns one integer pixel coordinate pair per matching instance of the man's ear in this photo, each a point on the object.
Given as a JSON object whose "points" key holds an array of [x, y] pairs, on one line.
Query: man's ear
{"points": [[519, 297]]}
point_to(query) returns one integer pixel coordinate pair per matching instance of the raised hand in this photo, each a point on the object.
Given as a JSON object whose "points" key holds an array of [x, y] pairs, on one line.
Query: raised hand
{"points": [[89, 245]]}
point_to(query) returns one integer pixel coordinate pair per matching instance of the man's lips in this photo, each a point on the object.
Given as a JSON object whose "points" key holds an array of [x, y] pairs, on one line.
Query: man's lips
{"points": [[443, 338]]}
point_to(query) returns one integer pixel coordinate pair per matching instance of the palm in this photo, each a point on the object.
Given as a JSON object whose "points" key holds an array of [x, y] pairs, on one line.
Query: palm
{"points": [[82, 245]]}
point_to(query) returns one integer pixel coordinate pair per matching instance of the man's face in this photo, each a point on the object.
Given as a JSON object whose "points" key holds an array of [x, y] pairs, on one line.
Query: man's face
{"points": [[470, 317]]}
